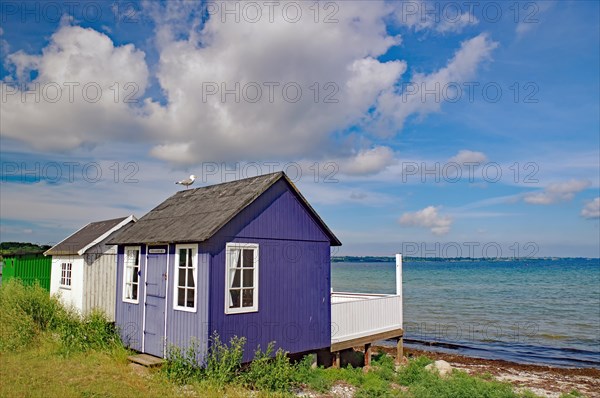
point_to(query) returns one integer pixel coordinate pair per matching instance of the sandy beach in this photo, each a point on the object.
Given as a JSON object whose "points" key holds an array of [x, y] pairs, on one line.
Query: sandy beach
{"points": [[545, 381]]}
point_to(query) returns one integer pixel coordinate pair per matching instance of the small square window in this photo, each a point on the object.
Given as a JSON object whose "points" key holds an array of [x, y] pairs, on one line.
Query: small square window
{"points": [[65, 274]]}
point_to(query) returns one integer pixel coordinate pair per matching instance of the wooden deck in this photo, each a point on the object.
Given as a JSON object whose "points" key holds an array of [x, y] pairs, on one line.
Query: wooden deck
{"points": [[360, 319], [363, 315], [343, 345]]}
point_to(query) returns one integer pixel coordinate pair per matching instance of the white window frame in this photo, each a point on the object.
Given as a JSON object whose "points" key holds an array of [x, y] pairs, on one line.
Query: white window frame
{"points": [[63, 274], [125, 299], [194, 249], [229, 247]]}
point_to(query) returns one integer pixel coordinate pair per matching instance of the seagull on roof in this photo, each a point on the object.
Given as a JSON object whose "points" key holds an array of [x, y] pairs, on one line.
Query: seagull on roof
{"points": [[187, 182]]}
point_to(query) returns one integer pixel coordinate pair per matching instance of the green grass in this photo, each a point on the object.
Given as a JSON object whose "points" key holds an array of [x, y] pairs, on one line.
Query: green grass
{"points": [[49, 350], [42, 371]]}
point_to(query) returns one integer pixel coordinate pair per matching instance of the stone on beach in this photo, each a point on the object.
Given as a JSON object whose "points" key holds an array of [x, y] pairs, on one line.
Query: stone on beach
{"points": [[442, 367]]}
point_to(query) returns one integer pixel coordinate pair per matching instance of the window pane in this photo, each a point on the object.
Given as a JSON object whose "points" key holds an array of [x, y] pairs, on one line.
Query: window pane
{"points": [[182, 256], [235, 279], [180, 297], [135, 292], [235, 299], [248, 258], [190, 263], [190, 298], [131, 257], [181, 280], [137, 257], [248, 278], [135, 275], [247, 299], [190, 278], [236, 258]]}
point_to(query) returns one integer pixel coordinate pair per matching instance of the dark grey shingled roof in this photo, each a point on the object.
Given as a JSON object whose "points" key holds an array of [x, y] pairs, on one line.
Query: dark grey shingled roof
{"points": [[176, 219], [83, 237]]}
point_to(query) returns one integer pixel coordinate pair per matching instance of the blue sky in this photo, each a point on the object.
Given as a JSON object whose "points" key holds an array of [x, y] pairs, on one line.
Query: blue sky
{"points": [[505, 94]]}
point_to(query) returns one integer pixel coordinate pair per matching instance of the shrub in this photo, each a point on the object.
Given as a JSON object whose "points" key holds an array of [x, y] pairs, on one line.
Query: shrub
{"points": [[16, 329], [385, 366], [414, 372], [223, 363], [459, 385], [91, 332], [374, 387], [354, 376], [25, 311], [270, 374], [182, 365], [317, 379]]}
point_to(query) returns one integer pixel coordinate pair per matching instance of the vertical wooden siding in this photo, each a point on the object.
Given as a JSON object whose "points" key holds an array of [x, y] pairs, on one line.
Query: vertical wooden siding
{"points": [[294, 307], [277, 214], [128, 316], [100, 279], [184, 327], [29, 268]]}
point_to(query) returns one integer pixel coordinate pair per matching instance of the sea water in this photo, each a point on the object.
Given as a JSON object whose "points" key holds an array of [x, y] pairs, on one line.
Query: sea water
{"points": [[530, 311]]}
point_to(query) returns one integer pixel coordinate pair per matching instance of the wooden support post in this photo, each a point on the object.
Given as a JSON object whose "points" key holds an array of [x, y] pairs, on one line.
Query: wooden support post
{"points": [[336, 359], [368, 354], [400, 350]]}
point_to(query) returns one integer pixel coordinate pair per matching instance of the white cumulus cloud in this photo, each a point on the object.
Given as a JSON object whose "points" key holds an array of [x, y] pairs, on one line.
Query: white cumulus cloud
{"points": [[557, 192], [80, 92], [330, 85], [428, 217], [231, 90], [591, 209], [368, 161], [466, 156]]}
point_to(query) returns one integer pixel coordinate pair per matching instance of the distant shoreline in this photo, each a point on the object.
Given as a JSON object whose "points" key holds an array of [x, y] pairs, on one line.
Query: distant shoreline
{"points": [[386, 259]]}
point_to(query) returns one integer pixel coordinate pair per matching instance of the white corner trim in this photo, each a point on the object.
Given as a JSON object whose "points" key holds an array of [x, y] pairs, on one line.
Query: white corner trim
{"points": [[144, 307], [166, 303]]}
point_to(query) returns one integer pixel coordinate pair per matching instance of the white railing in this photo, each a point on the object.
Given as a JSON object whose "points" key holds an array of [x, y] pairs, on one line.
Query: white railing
{"points": [[356, 315], [342, 297]]}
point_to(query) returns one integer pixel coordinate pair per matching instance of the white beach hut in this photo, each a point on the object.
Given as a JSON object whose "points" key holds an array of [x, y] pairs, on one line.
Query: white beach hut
{"points": [[84, 267]]}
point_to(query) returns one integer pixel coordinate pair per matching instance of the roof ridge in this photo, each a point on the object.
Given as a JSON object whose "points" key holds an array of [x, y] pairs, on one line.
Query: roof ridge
{"points": [[110, 219], [281, 173]]}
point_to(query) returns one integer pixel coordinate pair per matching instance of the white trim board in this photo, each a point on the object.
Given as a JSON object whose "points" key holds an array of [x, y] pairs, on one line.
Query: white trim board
{"points": [[107, 233]]}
